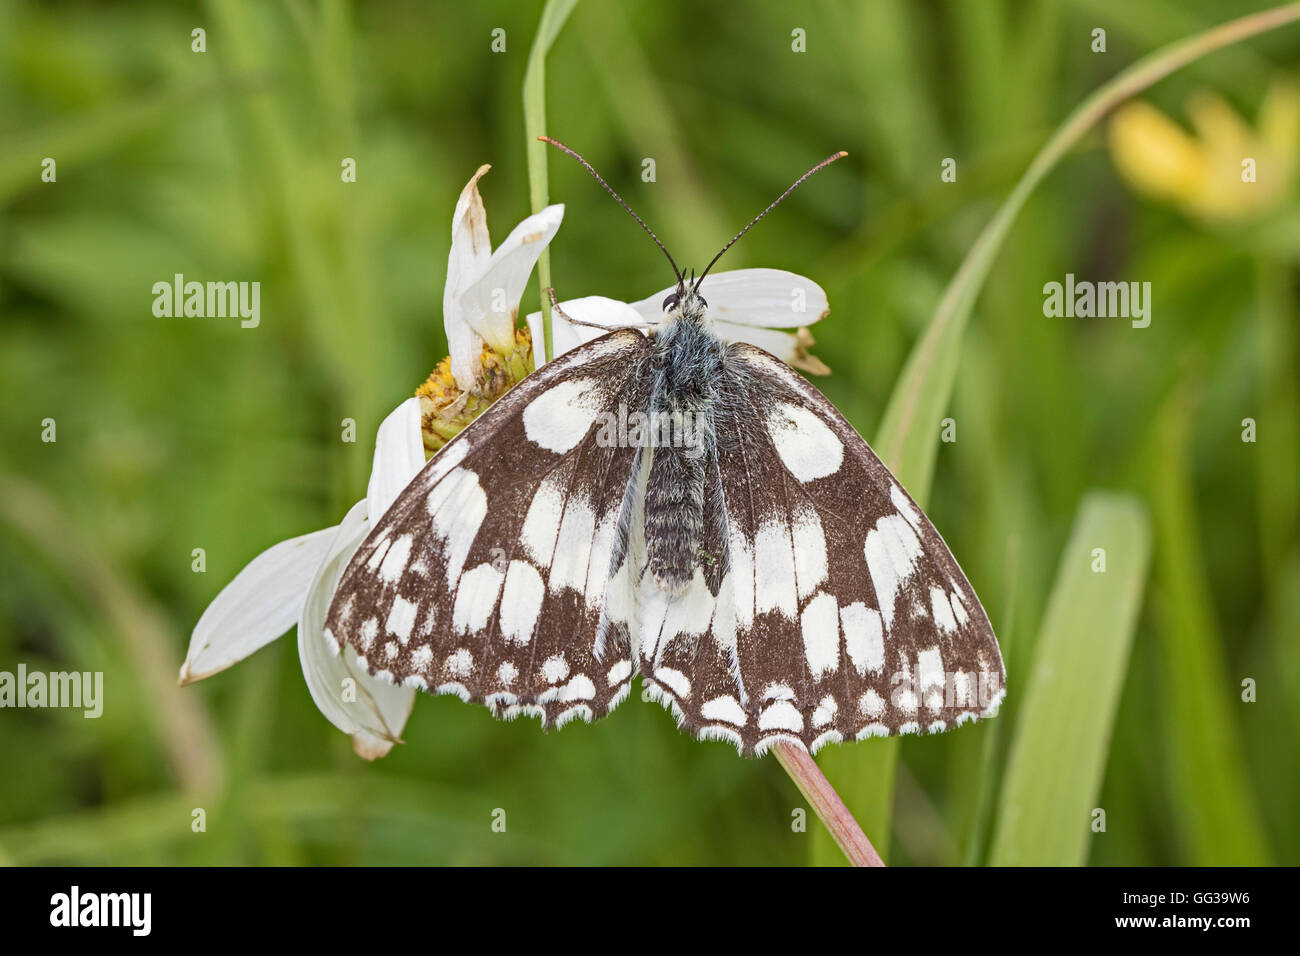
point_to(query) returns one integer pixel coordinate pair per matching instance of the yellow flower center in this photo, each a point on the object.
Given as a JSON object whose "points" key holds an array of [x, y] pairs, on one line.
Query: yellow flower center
{"points": [[445, 409]]}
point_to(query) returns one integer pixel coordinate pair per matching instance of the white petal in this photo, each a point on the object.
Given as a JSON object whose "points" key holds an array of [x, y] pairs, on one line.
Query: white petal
{"points": [[789, 347], [259, 605], [399, 456], [378, 714], [471, 251], [491, 305], [767, 298], [592, 308]]}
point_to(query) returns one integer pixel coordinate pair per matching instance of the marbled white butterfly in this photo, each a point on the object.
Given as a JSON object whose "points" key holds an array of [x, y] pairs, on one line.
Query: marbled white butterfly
{"points": [[767, 577]]}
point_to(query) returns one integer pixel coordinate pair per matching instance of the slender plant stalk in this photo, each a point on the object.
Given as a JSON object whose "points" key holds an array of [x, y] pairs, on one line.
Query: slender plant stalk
{"points": [[553, 17], [817, 790]]}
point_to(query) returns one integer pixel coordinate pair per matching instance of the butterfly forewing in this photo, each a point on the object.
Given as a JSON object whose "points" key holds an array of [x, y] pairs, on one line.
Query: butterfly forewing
{"points": [[487, 577]]}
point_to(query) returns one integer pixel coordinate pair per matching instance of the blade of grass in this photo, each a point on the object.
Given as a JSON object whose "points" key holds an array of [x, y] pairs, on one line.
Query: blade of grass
{"points": [[908, 438], [1057, 760], [554, 15], [1209, 797], [1278, 484]]}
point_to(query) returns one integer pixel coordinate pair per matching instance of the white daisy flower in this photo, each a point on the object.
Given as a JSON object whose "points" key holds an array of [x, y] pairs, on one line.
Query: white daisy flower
{"points": [[294, 581], [746, 305]]}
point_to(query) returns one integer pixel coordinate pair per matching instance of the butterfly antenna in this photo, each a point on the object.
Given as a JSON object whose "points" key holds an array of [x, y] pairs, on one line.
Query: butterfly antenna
{"points": [[797, 183], [619, 199]]}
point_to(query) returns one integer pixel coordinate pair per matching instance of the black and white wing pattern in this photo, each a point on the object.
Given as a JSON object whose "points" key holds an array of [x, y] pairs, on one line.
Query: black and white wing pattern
{"points": [[827, 606], [812, 601], [488, 578]]}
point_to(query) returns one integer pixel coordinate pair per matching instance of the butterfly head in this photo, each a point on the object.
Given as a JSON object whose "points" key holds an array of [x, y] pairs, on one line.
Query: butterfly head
{"points": [[685, 302]]}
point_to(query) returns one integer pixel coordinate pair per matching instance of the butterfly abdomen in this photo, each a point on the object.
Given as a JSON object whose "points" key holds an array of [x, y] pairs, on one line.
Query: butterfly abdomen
{"points": [[687, 359]]}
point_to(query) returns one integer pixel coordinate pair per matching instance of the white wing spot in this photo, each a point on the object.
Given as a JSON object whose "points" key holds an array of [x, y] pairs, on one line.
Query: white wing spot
{"points": [[558, 418], [871, 704], [781, 715], [476, 597], [774, 570], [369, 631], [961, 687], [555, 668], [573, 547], [674, 680], [905, 507], [395, 561], [579, 687], [742, 576], [942, 611], [460, 662], [602, 548], [904, 696], [377, 552], [620, 672], [863, 638], [401, 618], [725, 708], [825, 711], [542, 522], [959, 609], [930, 677], [807, 446], [821, 635], [458, 505], [891, 550], [507, 673], [521, 602], [809, 550]]}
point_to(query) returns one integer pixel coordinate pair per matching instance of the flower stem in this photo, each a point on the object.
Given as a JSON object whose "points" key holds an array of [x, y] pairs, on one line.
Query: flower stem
{"points": [[553, 17], [817, 790]]}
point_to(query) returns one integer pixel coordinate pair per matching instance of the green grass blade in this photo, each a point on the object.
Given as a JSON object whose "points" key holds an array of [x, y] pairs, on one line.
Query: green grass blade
{"points": [[1055, 770], [553, 18], [1210, 802]]}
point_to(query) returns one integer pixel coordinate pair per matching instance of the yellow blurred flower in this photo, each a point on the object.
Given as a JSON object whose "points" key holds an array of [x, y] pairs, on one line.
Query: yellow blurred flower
{"points": [[1227, 171]]}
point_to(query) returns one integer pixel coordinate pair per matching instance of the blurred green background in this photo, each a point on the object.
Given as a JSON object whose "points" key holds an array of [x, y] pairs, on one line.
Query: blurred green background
{"points": [[174, 434]]}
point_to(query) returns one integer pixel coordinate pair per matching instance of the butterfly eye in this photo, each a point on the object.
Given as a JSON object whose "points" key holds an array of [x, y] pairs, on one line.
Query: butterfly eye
{"points": [[670, 302]]}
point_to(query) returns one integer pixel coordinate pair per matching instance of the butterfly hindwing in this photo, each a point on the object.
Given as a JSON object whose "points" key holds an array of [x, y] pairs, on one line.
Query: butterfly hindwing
{"points": [[487, 577], [842, 613]]}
